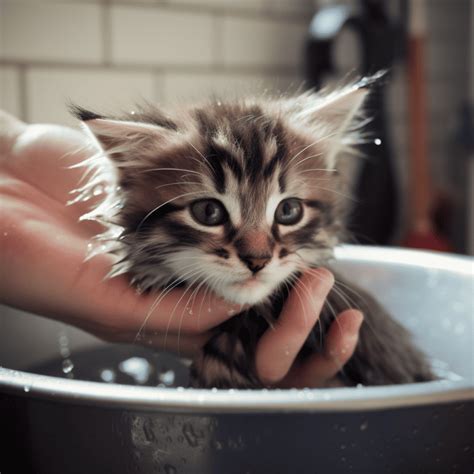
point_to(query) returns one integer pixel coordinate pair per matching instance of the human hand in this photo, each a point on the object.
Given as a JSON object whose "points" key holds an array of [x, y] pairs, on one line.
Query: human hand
{"points": [[43, 250], [279, 346]]}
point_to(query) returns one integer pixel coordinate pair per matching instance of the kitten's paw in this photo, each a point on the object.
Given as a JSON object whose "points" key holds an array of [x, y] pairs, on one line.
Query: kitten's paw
{"points": [[223, 364], [207, 372]]}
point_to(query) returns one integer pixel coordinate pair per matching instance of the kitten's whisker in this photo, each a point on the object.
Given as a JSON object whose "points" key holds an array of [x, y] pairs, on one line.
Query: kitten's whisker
{"points": [[186, 308], [164, 204], [162, 295], [333, 190], [309, 146], [295, 287], [186, 279], [302, 151], [177, 183], [193, 300], [310, 157], [198, 273], [175, 169], [197, 151]]}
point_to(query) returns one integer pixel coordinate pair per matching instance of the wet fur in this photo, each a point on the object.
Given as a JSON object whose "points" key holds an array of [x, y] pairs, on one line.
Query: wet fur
{"points": [[385, 354], [249, 154]]}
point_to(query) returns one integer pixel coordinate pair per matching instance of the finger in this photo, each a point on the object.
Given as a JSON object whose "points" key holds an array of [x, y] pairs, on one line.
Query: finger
{"points": [[48, 152], [120, 304], [185, 311], [279, 346], [340, 343], [10, 129], [183, 345]]}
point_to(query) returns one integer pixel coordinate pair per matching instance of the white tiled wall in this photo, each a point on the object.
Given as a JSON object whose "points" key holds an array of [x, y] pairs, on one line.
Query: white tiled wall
{"points": [[245, 42], [109, 54], [40, 31], [50, 89], [10, 89], [160, 36]]}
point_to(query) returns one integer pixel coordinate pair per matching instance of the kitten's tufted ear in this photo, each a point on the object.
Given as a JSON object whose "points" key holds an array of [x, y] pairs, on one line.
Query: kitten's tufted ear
{"points": [[121, 139], [333, 118]]}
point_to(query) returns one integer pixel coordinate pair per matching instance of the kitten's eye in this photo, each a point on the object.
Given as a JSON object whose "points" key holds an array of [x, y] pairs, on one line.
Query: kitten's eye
{"points": [[209, 212], [289, 212]]}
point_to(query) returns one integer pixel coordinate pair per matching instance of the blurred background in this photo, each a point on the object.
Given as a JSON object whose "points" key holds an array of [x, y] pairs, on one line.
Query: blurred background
{"points": [[109, 54]]}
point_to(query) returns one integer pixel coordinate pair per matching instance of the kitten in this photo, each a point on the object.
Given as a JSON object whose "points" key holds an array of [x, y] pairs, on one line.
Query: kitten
{"points": [[242, 197]]}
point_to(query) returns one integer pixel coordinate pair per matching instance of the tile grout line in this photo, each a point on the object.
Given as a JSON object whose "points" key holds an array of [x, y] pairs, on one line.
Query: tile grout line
{"points": [[259, 13], [23, 93], [150, 68]]}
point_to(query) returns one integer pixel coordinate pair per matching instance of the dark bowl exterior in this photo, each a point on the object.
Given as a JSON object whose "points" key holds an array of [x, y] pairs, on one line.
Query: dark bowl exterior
{"points": [[46, 437]]}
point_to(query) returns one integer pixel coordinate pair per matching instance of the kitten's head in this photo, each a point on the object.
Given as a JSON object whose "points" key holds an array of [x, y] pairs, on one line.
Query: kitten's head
{"points": [[234, 196]]}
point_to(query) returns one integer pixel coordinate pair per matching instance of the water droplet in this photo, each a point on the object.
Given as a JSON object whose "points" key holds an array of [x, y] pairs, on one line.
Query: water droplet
{"points": [[65, 352], [26, 388], [67, 366], [5, 234], [138, 368], [132, 112], [98, 190], [209, 309], [63, 340], [108, 376], [364, 426], [378, 142], [167, 377]]}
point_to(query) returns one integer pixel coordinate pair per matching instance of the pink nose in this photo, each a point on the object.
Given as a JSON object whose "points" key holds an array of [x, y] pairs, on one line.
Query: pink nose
{"points": [[255, 264]]}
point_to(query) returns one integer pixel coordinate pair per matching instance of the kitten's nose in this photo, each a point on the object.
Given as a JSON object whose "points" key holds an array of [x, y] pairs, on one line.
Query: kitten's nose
{"points": [[255, 264]]}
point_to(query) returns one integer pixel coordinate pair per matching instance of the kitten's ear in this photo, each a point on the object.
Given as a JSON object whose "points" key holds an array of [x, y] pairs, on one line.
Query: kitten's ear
{"points": [[335, 117], [117, 138]]}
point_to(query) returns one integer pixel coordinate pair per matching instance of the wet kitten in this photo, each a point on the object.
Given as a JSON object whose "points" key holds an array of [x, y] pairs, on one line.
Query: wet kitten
{"points": [[242, 197]]}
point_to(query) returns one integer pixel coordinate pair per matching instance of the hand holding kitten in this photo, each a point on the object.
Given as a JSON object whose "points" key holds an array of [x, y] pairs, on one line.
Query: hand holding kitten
{"points": [[43, 246]]}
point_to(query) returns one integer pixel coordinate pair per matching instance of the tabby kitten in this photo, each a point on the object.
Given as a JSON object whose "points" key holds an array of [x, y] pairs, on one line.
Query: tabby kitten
{"points": [[242, 197]]}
